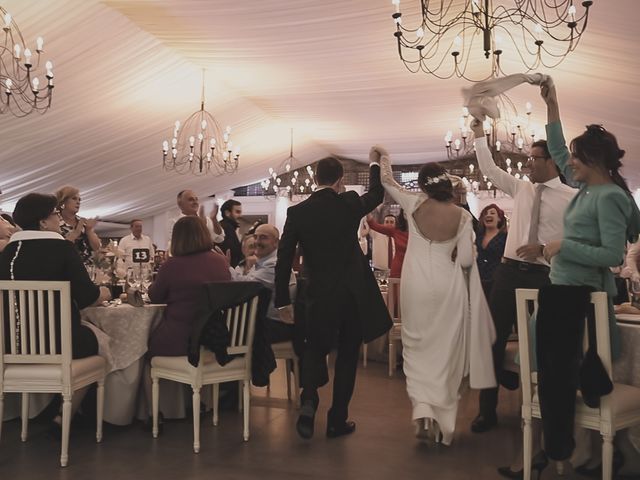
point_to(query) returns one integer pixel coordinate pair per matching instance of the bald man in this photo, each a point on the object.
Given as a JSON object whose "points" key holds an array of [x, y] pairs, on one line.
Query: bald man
{"points": [[189, 205], [261, 268]]}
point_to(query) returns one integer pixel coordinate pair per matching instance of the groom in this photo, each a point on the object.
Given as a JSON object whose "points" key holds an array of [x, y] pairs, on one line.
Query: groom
{"points": [[343, 303]]}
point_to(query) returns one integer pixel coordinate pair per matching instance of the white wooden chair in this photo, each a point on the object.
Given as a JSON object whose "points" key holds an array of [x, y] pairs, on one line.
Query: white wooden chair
{"points": [[618, 410], [395, 334], [284, 351], [33, 362], [240, 321]]}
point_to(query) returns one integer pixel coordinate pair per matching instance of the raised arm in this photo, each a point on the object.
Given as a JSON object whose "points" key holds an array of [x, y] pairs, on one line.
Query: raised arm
{"points": [[499, 177], [404, 197], [375, 193], [377, 227], [555, 137]]}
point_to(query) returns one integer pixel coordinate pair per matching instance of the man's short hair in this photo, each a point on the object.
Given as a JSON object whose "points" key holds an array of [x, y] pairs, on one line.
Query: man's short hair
{"points": [[134, 221], [180, 194], [228, 206], [329, 171], [543, 145]]}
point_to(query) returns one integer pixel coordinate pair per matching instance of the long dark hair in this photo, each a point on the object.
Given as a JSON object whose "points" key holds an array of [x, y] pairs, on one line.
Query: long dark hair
{"points": [[433, 181], [599, 148]]}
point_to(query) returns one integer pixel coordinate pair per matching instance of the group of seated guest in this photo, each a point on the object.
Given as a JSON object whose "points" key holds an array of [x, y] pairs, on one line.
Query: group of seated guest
{"points": [[40, 252]]}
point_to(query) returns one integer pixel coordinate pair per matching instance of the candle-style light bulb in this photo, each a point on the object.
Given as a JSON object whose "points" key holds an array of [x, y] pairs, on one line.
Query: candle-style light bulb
{"points": [[396, 4], [420, 33], [528, 108], [192, 140], [8, 83], [17, 50], [212, 142], [498, 145], [27, 57], [39, 44], [165, 147], [35, 85], [538, 31], [457, 144], [203, 125], [572, 13], [7, 20], [457, 44]]}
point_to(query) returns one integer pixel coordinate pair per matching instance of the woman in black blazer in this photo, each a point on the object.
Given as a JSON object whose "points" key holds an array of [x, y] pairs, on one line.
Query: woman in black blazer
{"points": [[39, 252]]}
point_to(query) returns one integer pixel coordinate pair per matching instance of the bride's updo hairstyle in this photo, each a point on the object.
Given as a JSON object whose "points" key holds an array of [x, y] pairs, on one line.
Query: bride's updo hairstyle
{"points": [[433, 181]]}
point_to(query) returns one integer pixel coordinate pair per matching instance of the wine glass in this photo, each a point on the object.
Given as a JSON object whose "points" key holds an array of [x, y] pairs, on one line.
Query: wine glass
{"points": [[146, 279], [91, 271], [133, 278]]}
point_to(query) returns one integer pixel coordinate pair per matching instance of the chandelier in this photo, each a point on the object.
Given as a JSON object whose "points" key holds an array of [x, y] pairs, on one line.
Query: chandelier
{"points": [[295, 180], [23, 91], [537, 32], [200, 146], [510, 153]]}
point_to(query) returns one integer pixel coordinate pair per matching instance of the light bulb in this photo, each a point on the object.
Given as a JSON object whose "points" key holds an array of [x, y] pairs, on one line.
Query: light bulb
{"points": [[572, 13], [287, 167], [509, 170], [200, 137], [528, 107], [270, 171], [301, 189], [457, 144], [228, 129], [508, 162], [165, 146], [278, 180], [519, 164], [465, 112], [174, 142], [471, 167], [212, 142], [8, 83], [27, 56], [420, 33], [538, 31], [7, 20], [35, 83], [177, 124], [293, 181], [517, 175], [498, 145], [203, 124], [457, 43], [39, 44], [16, 50], [296, 173], [192, 140]]}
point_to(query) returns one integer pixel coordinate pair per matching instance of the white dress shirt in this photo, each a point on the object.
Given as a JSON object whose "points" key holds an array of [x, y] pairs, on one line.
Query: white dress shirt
{"points": [[264, 271], [553, 203], [216, 237], [128, 243]]}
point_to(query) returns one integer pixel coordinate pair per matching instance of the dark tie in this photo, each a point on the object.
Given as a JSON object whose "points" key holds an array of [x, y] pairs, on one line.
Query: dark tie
{"points": [[535, 214]]}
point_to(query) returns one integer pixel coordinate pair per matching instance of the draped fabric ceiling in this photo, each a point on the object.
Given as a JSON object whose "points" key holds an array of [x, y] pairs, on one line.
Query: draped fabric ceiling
{"points": [[127, 69]]}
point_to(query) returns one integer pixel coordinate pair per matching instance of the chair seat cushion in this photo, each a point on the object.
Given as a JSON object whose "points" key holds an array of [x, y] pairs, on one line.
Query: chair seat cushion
{"points": [[283, 350], [625, 399], [181, 364], [34, 374]]}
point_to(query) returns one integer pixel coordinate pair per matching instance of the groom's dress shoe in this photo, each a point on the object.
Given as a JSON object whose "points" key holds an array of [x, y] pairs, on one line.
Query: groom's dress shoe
{"points": [[483, 423], [346, 428], [305, 422]]}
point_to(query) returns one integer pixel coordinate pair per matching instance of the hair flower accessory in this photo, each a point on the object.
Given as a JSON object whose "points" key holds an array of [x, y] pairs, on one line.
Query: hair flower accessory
{"points": [[431, 180]]}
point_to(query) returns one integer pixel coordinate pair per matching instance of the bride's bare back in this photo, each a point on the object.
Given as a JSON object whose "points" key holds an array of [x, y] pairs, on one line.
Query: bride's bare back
{"points": [[437, 221]]}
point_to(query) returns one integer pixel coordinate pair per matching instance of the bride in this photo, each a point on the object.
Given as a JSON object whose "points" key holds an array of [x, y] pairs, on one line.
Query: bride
{"points": [[447, 331]]}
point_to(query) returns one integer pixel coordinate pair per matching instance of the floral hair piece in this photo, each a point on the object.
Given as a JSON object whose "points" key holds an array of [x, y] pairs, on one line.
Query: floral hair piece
{"points": [[431, 180]]}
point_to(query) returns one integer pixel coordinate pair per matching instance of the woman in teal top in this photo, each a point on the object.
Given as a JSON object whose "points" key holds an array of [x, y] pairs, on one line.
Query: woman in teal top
{"points": [[600, 218]]}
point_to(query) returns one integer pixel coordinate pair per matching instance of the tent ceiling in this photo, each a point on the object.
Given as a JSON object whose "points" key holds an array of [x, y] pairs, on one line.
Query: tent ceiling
{"points": [[127, 69]]}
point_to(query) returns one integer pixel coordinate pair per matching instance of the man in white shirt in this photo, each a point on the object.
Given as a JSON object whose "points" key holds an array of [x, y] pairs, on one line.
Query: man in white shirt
{"points": [[261, 268], [189, 205], [136, 240], [523, 265]]}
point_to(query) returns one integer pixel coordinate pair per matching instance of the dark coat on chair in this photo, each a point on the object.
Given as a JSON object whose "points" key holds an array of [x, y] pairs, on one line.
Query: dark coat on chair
{"points": [[210, 329], [326, 227]]}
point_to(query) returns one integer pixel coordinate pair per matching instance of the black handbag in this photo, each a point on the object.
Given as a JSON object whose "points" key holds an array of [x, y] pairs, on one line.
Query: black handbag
{"points": [[594, 379]]}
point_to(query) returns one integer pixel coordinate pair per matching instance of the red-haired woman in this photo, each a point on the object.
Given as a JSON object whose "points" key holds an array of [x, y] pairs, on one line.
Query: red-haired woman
{"points": [[490, 241]]}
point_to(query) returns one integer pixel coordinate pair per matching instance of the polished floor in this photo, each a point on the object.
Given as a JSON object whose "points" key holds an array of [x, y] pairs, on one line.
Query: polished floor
{"points": [[383, 447]]}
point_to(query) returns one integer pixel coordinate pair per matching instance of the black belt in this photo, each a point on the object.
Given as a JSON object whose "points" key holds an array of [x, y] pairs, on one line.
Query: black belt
{"points": [[525, 266]]}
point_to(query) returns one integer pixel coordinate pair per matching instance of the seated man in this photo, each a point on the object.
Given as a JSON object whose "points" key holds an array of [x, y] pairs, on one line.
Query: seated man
{"points": [[261, 268]]}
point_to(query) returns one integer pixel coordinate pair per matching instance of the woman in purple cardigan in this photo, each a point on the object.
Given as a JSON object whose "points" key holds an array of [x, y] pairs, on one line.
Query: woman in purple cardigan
{"points": [[179, 285]]}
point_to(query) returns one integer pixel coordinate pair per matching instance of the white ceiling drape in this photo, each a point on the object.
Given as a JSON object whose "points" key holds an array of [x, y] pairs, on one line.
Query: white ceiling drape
{"points": [[127, 69]]}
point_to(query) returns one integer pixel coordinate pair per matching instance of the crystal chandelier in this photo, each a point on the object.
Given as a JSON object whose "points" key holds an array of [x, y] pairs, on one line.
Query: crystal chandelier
{"points": [[537, 32], [295, 180], [23, 91], [200, 146]]}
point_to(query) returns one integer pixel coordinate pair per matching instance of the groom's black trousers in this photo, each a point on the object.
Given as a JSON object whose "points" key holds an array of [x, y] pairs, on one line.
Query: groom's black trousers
{"points": [[331, 324], [502, 303]]}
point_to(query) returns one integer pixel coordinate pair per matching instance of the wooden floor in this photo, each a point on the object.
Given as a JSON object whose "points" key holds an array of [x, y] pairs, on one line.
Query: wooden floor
{"points": [[383, 447]]}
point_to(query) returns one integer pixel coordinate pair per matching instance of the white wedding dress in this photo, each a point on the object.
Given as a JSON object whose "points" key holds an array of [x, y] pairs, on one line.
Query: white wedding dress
{"points": [[447, 331]]}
